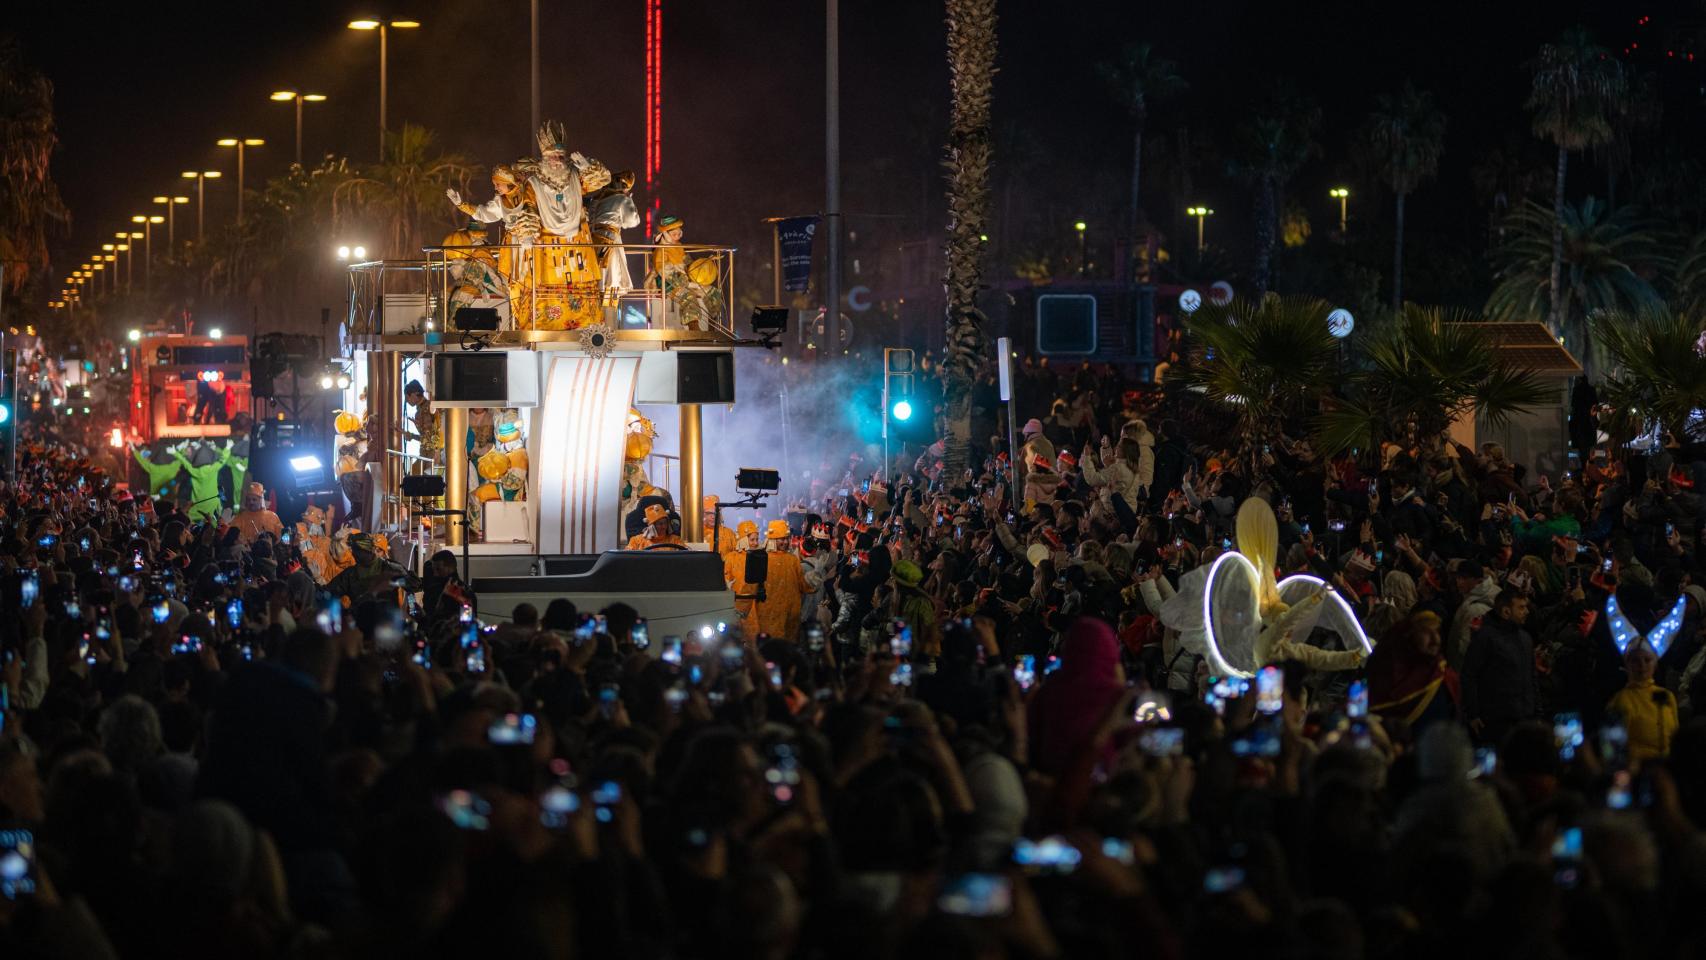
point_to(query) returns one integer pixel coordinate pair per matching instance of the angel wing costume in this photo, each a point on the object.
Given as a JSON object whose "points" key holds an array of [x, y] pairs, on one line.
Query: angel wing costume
{"points": [[1235, 615]]}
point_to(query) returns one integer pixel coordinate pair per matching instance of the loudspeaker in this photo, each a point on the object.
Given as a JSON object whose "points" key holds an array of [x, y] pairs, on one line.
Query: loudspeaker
{"points": [[260, 377], [481, 377], [705, 377]]}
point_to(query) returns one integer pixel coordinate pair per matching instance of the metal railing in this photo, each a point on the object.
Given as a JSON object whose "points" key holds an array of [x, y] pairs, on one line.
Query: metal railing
{"points": [[546, 287]]}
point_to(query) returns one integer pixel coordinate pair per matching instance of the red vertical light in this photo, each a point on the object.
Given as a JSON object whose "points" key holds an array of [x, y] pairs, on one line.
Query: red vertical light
{"points": [[654, 105]]}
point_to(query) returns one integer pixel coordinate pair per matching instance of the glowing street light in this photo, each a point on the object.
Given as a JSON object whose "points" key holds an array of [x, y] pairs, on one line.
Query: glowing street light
{"points": [[134, 336], [1341, 194], [240, 143], [171, 219], [1201, 213], [1083, 267], [373, 23], [289, 96], [147, 246], [356, 253], [215, 333], [200, 177]]}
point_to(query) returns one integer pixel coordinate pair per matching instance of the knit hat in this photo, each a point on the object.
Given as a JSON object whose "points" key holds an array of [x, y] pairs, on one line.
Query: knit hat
{"points": [[1032, 427], [907, 573]]}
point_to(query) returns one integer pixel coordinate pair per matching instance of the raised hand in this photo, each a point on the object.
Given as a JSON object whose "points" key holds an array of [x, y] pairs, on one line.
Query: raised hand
{"points": [[455, 197]]}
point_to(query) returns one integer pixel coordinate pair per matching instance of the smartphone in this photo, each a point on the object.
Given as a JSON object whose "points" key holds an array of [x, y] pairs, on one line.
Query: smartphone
{"points": [[555, 806], [186, 644], [1306, 527], [1260, 740], [1614, 745], [388, 630], [162, 612], [586, 629], [1621, 794], [1226, 543], [127, 584], [1025, 672], [73, 610], [1356, 702], [1567, 858], [1222, 689], [83, 650], [246, 650], [1153, 706], [783, 774], [48, 540], [775, 674], [1223, 879], [814, 638], [1270, 690], [976, 895], [901, 676], [1118, 850], [466, 809], [1670, 530], [671, 651], [512, 728], [474, 656], [1606, 566], [640, 636], [1486, 763], [605, 797], [900, 643], [234, 613], [609, 695], [422, 655], [331, 616], [18, 870], [1567, 734], [467, 614], [1048, 855], [1374, 488], [1162, 741], [29, 589], [675, 696]]}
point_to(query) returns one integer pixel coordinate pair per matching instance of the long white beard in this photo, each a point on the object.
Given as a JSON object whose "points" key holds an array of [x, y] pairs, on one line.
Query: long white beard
{"points": [[555, 172]]}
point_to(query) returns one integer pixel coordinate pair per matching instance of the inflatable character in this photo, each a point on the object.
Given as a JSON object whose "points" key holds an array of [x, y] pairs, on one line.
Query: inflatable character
{"points": [[1237, 616]]}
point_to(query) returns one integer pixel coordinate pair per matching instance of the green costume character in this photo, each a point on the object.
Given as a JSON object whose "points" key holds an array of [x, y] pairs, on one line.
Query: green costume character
{"points": [[238, 466], [370, 574], [159, 474], [204, 485]]}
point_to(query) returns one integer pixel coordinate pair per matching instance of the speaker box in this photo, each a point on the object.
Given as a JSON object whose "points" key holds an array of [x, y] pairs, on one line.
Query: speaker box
{"points": [[471, 378], [705, 377]]}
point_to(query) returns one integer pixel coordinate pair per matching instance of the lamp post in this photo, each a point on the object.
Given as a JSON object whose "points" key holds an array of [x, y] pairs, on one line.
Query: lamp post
{"points": [[200, 177], [123, 246], [1201, 213], [286, 96], [147, 246], [533, 116], [382, 26], [110, 255], [171, 219], [1341, 194], [240, 143], [1083, 267]]}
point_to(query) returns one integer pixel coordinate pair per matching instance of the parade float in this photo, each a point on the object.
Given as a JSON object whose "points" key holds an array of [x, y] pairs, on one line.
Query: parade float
{"points": [[525, 360]]}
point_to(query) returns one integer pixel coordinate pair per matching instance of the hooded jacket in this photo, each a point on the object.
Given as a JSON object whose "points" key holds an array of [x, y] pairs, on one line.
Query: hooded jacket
{"points": [[1474, 607]]}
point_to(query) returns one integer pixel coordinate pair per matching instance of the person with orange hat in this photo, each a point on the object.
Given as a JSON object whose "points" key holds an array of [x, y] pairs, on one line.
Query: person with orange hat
{"points": [[785, 585], [721, 538], [662, 528], [255, 519]]}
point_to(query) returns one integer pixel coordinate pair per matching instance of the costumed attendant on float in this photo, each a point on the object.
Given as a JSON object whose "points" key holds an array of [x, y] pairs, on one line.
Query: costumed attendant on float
{"points": [[565, 265], [513, 206], [613, 211]]}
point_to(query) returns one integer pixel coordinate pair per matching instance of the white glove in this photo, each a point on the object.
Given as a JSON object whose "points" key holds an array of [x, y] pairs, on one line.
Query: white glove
{"points": [[577, 160], [455, 198]]}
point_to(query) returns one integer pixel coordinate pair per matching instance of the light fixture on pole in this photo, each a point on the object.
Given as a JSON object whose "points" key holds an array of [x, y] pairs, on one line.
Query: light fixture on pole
{"points": [[147, 246], [373, 23], [1201, 213], [108, 249], [289, 96], [240, 143], [171, 219], [1341, 194], [123, 246], [1083, 267], [200, 177]]}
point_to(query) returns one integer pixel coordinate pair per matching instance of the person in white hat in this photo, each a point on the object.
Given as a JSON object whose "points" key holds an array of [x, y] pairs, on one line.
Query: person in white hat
{"points": [[255, 519], [1035, 445]]}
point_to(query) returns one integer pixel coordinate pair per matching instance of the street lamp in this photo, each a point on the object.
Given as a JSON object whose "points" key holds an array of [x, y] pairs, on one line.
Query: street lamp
{"points": [[1201, 213], [373, 23], [147, 246], [288, 96], [357, 253], [123, 245], [1341, 194], [171, 219], [1081, 226], [200, 177], [240, 144]]}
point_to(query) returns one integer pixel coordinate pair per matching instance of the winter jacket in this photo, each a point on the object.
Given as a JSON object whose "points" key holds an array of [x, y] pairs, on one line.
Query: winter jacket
{"points": [[1473, 607], [1498, 674]]}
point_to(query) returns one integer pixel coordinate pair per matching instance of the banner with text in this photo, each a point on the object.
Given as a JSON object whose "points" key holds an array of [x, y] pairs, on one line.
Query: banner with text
{"points": [[796, 234]]}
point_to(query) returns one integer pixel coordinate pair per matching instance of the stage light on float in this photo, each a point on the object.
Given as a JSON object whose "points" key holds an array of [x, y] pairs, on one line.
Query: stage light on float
{"points": [[307, 471], [134, 336], [216, 333], [326, 381], [343, 380], [902, 410], [117, 437]]}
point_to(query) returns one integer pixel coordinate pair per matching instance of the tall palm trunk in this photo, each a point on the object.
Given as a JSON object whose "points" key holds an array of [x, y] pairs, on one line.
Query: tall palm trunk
{"points": [[1398, 257], [971, 68], [1556, 319], [1266, 227], [1134, 215]]}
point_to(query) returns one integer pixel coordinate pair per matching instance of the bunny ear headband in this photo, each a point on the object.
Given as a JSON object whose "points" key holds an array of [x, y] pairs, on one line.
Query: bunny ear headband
{"points": [[1623, 633]]}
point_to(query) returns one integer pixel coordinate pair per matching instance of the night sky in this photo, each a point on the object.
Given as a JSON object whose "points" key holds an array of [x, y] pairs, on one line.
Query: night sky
{"points": [[144, 89]]}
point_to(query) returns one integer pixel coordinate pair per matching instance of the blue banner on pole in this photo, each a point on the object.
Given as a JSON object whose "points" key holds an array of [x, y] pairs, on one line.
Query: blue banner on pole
{"points": [[796, 234]]}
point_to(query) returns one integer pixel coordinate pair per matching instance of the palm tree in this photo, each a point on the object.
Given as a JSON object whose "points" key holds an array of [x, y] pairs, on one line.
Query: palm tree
{"points": [[971, 73], [30, 207], [1660, 371], [1576, 88], [1140, 80], [405, 191], [1265, 360], [1688, 287], [1404, 137], [1272, 146], [1609, 255], [1424, 371]]}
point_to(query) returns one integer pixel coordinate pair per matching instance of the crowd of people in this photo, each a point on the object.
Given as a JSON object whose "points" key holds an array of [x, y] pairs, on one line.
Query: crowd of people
{"points": [[977, 727]]}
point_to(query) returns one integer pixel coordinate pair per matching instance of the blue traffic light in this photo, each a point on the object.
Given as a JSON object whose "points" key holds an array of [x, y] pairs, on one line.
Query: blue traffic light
{"points": [[5, 412], [902, 410]]}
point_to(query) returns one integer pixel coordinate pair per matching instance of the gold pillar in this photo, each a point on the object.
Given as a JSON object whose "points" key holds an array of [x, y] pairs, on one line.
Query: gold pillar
{"points": [[692, 474], [455, 471], [384, 403]]}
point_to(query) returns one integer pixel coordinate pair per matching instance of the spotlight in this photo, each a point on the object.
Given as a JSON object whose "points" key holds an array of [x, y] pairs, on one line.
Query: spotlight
{"points": [[117, 438], [758, 479], [705, 632], [343, 381], [767, 321], [481, 319], [135, 336], [902, 410], [360, 253], [308, 472], [326, 381], [343, 253], [216, 333], [425, 485]]}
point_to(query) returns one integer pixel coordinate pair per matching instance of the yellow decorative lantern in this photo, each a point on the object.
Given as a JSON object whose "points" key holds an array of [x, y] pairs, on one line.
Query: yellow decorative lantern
{"points": [[518, 459], [487, 492], [641, 433], [703, 271], [346, 422], [494, 465]]}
